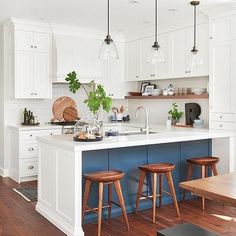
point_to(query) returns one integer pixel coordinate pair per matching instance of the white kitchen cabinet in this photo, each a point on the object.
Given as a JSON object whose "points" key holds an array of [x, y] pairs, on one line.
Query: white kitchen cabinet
{"points": [[182, 44], [32, 65], [28, 54], [77, 53], [23, 151], [176, 46], [133, 72], [115, 84], [149, 70]]}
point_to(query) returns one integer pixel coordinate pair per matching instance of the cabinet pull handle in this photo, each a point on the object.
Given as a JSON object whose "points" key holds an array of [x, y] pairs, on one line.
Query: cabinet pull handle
{"points": [[35, 94], [32, 46], [31, 167], [51, 133], [31, 135], [221, 126], [35, 47], [220, 117], [31, 93], [31, 149]]}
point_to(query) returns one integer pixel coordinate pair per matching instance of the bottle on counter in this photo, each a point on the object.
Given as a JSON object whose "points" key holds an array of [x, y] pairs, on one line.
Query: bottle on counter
{"points": [[25, 113], [168, 122], [31, 119]]}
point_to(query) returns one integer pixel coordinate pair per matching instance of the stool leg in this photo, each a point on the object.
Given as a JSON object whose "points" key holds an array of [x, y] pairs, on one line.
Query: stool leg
{"points": [[140, 188], [122, 202], [154, 198], [172, 191], [110, 198], [100, 207], [203, 173], [214, 170], [189, 176], [86, 196], [160, 189]]}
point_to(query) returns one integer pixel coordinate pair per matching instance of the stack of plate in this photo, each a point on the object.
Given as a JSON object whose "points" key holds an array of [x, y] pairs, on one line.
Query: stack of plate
{"points": [[198, 91], [156, 92]]}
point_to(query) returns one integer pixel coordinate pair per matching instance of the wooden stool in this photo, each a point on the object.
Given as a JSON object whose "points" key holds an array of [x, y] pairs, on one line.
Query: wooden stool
{"points": [[102, 178], [204, 163], [157, 169]]}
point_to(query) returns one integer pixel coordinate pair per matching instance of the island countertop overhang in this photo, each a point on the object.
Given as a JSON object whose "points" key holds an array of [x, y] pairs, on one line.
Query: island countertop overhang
{"points": [[164, 136]]}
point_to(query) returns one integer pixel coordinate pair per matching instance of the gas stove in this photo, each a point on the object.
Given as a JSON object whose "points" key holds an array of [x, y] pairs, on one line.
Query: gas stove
{"points": [[67, 127]]}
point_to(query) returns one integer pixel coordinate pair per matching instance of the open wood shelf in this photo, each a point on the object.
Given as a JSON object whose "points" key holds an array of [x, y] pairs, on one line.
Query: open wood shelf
{"points": [[189, 96]]}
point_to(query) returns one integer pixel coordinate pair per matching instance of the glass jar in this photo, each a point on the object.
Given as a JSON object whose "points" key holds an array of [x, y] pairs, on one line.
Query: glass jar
{"points": [[88, 129]]}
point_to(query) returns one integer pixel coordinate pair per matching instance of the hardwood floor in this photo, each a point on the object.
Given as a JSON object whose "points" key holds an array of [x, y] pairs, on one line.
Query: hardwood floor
{"points": [[18, 218]]}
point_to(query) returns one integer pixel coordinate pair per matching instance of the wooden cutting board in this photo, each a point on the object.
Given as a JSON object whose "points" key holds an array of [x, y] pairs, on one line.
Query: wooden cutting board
{"points": [[60, 105], [70, 114]]}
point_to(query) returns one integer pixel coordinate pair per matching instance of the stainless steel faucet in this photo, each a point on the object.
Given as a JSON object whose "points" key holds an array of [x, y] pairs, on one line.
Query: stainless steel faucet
{"points": [[146, 129]]}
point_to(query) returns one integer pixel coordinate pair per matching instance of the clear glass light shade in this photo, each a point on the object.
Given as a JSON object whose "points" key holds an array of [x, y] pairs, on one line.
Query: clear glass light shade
{"points": [[108, 51], [156, 55], [194, 59]]}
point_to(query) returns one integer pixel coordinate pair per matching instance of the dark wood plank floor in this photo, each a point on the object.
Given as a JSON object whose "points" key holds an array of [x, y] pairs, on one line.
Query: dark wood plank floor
{"points": [[18, 218]]}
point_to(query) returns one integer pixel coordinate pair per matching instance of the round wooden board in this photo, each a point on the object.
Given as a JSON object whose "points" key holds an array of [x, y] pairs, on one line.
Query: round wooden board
{"points": [[70, 114], [60, 105]]}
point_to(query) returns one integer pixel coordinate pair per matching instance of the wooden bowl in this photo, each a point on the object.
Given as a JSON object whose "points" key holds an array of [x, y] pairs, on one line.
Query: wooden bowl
{"points": [[135, 94]]}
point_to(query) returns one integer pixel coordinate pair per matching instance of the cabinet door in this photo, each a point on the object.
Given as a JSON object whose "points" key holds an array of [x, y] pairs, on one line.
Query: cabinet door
{"points": [[42, 75], [149, 70], [222, 76], [164, 69], [24, 74], [178, 53], [42, 42], [202, 46], [24, 40], [133, 61]]}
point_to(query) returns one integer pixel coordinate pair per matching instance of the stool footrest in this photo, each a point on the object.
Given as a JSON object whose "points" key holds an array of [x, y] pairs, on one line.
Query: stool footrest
{"points": [[95, 209]]}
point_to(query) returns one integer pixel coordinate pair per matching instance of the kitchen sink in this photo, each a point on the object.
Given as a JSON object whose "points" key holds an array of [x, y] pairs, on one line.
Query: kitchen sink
{"points": [[127, 133]]}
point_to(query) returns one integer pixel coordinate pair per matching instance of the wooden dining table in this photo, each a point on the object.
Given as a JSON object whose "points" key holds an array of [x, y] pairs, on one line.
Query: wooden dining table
{"points": [[220, 188]]}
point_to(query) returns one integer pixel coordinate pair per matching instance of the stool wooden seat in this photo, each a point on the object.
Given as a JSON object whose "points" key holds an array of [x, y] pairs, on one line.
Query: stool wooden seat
{"points": [[104, 178], [204, 163], [157, 169]]}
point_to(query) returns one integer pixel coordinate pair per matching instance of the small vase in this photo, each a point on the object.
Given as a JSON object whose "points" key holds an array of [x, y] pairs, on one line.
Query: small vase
{"points": [[174, 121]]}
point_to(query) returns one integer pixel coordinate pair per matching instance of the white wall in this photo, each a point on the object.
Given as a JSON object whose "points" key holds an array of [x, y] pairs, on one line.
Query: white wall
{"points": [[158, 109], [1, 101]]}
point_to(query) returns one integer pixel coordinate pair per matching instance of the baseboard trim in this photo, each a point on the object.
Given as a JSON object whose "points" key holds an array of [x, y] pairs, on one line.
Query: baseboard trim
{"points": [[4, 172]]}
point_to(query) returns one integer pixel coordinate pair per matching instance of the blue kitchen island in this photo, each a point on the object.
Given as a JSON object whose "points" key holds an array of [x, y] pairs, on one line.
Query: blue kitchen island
{"points": [[62, 163]]}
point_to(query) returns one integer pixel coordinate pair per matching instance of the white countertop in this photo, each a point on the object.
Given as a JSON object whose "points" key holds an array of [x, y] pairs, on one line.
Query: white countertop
{"points": [[38, 127], [163, 136]]}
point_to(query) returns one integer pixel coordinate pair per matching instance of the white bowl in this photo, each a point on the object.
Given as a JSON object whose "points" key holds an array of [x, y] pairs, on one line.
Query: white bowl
{"points": [[198, 91], [156, 92]]}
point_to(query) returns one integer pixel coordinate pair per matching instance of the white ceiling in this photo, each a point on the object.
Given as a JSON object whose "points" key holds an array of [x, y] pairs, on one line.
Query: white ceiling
{"points": [[125, 17]]}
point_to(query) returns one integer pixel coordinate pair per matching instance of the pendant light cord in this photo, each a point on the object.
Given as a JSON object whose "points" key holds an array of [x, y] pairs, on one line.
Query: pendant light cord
{"points": [[195, 25], [108, 17], [155, 20]]}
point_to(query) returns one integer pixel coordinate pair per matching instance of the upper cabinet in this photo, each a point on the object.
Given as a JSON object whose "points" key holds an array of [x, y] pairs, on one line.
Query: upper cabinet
{"points": [[28, 65], [222, 60], [176, 46], [132, 61], [32, 65], [76, 53]]}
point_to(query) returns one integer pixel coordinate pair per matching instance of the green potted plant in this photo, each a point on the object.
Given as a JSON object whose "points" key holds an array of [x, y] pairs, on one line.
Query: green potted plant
{"points": [[90, 128], [175, 114], [96, 98]]}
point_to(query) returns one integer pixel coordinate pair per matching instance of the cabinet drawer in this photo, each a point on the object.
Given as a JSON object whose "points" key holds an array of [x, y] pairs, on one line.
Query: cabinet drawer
{"points": [[28, 167], [223, 117], [31, 135], [227, 126], [28, 149]]}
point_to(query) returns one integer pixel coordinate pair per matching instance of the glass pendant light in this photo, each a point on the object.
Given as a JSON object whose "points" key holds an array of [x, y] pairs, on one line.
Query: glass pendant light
{"points": [[156, 54], [108, 50], [195, 58]]}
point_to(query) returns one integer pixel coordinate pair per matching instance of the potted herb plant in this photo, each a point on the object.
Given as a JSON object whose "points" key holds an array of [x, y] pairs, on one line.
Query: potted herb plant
{"points": [[96, 101], [175, 114]]}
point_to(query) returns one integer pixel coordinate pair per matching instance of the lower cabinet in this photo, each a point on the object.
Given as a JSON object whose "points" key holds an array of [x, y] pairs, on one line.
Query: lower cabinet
{"points": [[23, 152]]}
